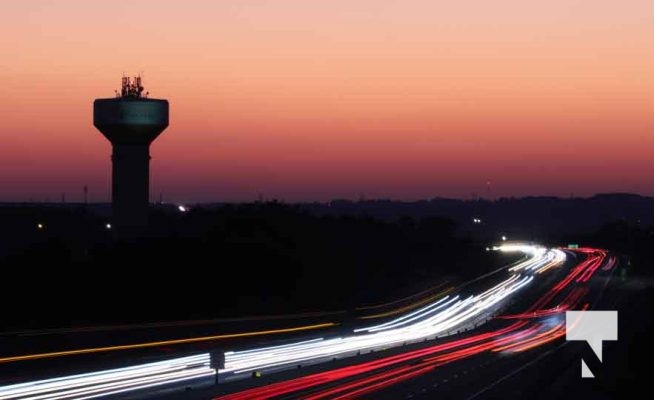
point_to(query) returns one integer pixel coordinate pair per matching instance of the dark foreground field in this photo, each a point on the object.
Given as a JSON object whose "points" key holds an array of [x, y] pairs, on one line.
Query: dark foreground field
{"points": [[230, 261]]}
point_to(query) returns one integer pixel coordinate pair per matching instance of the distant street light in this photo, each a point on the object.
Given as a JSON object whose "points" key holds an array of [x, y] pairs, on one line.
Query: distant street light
{"points": [[503, 237], [108, 226], [182, 208], [40, 226]]}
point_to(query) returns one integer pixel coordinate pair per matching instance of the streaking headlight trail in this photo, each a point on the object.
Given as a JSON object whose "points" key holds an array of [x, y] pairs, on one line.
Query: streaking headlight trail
{"points": [[439, 318], [114, 381], [539, 325]]}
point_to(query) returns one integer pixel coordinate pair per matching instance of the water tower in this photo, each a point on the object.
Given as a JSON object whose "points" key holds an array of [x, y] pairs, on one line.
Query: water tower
{"points": [[131, 121]]}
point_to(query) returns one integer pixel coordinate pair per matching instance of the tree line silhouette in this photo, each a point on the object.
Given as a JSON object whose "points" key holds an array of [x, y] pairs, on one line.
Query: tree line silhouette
{"points": [[61, 266]]}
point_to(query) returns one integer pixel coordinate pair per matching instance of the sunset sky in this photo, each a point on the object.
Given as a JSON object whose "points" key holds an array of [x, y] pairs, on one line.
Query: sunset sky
{"points": [[321, 99]]}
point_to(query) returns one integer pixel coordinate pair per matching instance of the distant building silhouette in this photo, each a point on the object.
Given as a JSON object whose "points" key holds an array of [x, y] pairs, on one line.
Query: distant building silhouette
{"points": [[130, 121]]}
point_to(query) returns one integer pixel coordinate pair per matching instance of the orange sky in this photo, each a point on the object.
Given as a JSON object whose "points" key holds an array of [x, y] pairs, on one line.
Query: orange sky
{"points": [[317, 99]]}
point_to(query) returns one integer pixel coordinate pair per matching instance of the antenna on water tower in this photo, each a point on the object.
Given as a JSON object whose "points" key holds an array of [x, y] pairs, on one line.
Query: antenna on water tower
{"points": [[131, 123]]}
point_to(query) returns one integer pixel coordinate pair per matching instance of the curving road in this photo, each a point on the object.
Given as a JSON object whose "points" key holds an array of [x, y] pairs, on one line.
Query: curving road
{"points": [[511, 311], [542, 322]]}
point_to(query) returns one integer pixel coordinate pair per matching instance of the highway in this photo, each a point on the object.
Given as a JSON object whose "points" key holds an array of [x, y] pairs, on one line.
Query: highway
{"points": [[43, 344], [137, 349], [480, 332], [48, 353], [514, 332], [468, 364]]}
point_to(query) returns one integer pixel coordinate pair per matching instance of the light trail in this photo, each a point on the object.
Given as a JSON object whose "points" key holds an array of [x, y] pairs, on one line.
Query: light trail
{"points": [[432, 322], [518, 337], [114, 381], [170, 342], [410, 306], [280, 388], [162, 343], [375, 306], [434, 319], [549, 336], [568, 303], [411, 316]]}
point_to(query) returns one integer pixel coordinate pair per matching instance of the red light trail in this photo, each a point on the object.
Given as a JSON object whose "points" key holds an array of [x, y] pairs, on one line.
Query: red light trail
{"points": [[519, 336]]}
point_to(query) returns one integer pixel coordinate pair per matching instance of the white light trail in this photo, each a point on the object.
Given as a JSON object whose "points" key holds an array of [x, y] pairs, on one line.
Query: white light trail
{"points": [[410, 316], [443, 316], [437, 318], [114, 381]]}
